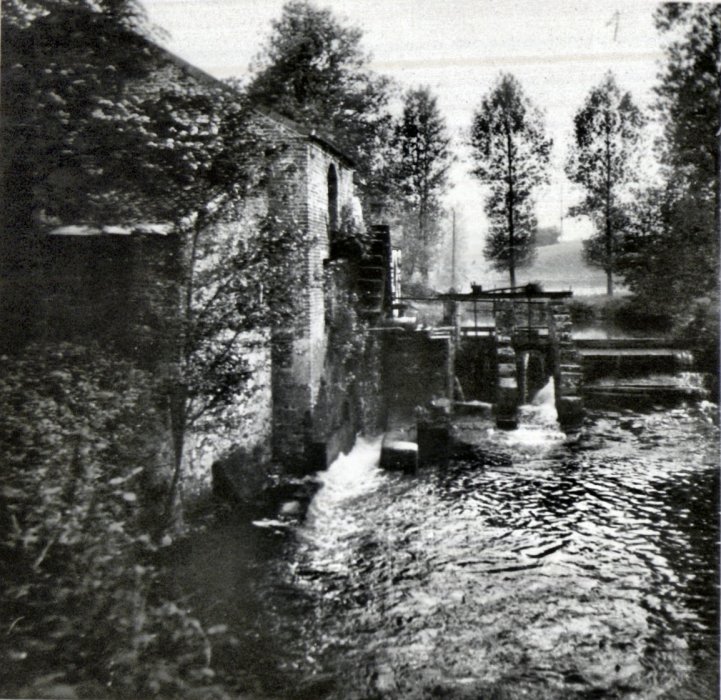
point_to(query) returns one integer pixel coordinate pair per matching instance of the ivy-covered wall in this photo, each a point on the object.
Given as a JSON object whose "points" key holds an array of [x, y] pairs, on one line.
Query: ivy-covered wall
{"points": [[122, 288]]}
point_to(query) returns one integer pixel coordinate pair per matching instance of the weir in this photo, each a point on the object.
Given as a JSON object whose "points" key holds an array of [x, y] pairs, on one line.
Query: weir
{"points": [[487, 353], [482, 351]]}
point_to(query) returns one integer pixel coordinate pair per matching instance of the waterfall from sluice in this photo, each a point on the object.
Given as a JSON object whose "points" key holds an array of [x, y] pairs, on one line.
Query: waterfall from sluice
{"points": [[332, 520], [542, 407], [537, 422]]}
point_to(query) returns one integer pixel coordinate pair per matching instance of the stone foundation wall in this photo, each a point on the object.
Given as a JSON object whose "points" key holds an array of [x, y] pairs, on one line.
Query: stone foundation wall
{"points": [[414, 370]]}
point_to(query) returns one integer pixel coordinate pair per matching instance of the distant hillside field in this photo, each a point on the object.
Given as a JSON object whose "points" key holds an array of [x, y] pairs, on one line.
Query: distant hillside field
{"points": [[558, 266]]}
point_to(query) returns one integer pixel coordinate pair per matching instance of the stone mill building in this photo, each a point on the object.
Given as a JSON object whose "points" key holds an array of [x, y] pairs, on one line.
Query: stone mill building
{"points": [[118, 285]]}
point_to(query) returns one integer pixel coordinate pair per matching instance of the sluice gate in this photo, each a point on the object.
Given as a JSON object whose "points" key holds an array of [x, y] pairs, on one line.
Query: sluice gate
{"points": [[485, 351]]}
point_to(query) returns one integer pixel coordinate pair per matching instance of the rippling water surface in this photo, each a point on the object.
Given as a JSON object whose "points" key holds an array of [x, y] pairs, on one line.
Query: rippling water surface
{"points": [[543, 566]]}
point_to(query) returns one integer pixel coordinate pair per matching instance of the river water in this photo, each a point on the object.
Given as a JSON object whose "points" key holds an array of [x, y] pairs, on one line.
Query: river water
{"points": [[540, 565]]}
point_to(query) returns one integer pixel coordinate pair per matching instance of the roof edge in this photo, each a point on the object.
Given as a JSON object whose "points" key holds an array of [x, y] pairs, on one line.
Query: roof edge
{"points": [[311, 134]]}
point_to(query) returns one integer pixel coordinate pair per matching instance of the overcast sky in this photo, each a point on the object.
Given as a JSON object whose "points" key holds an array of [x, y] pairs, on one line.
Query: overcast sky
{"points": [[558, 49]]}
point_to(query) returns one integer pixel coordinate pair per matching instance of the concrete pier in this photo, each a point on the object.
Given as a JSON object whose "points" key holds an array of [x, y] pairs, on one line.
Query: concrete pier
{"points": [[398, 453]]}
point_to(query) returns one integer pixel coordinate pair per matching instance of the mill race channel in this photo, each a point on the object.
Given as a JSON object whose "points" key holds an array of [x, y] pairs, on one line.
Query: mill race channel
{"points": [[541, 566]]}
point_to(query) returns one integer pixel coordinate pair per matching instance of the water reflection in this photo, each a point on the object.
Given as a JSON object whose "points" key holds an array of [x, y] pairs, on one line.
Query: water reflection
{"points": [[554, 566]]}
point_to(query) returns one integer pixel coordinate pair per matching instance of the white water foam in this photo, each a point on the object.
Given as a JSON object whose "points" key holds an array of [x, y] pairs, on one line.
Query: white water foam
{"points": [[351, 474], [538, 421], [330, 521]]}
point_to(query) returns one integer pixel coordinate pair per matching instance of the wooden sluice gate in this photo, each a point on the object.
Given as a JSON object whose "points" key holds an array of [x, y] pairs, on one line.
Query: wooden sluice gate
{"points": [[487, 352]]}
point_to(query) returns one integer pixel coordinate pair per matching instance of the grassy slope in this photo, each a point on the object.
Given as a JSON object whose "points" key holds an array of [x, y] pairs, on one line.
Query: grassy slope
{"points": [[559, 266]]}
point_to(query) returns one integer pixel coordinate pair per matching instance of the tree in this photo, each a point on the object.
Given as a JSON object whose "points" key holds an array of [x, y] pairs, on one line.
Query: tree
{"points": [[511, 154], [91, 136], [607, 130], [688, 101], [312, 70], [419, 168], [669, 253]]}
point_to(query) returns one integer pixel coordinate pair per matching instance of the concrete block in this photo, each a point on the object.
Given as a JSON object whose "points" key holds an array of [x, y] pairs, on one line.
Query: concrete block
{"points": [[434, 442], [399, 455], [473, 408], [570, 411]]}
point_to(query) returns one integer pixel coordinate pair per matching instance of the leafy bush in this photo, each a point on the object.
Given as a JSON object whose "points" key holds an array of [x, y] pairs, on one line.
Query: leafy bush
{"points": [[418, 289], [628, 313], [582, 313], [83, 459], [701, 335]]}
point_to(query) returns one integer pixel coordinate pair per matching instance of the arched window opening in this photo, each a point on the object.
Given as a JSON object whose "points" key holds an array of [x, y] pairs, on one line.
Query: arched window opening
{"points": [[332, 199]]}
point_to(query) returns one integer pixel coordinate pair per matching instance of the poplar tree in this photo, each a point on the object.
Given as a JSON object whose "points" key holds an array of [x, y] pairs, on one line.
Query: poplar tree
{"points": [[511, 153], [607, 131], [420, 163]]}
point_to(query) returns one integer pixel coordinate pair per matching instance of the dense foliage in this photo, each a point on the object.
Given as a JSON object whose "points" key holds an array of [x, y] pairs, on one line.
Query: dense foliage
{"points": [[91, 136], [82, 469], [511, 154], [101, 127], [606, 138], [420, 157], [671, 249], [312, 69]]}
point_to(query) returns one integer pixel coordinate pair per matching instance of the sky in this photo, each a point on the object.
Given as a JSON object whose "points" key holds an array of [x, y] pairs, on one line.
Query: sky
{"points": [[558, 49]]}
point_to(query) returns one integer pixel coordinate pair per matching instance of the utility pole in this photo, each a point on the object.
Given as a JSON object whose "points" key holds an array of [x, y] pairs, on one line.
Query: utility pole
{"points": [[453, 253], [561, 236]]}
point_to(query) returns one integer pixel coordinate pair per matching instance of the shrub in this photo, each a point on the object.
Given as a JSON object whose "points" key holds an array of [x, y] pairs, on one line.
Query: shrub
{"points": [[701, 335], [581, 312], [631, 314], [82, 460]]}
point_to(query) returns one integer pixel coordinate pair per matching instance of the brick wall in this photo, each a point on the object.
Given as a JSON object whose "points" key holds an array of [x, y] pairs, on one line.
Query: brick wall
{"points": [[300, 354]]}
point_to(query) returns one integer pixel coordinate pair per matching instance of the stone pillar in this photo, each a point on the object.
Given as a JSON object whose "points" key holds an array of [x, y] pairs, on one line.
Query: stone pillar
{"points": [[567, 371], [506, 367]]}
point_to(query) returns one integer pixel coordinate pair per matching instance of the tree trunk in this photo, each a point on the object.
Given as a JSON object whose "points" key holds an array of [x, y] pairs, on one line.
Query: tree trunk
{"points": [[511, 231], [178, 421], [423, 248], [609, 227], [609, 245], [718, 148], [178, 399]]}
